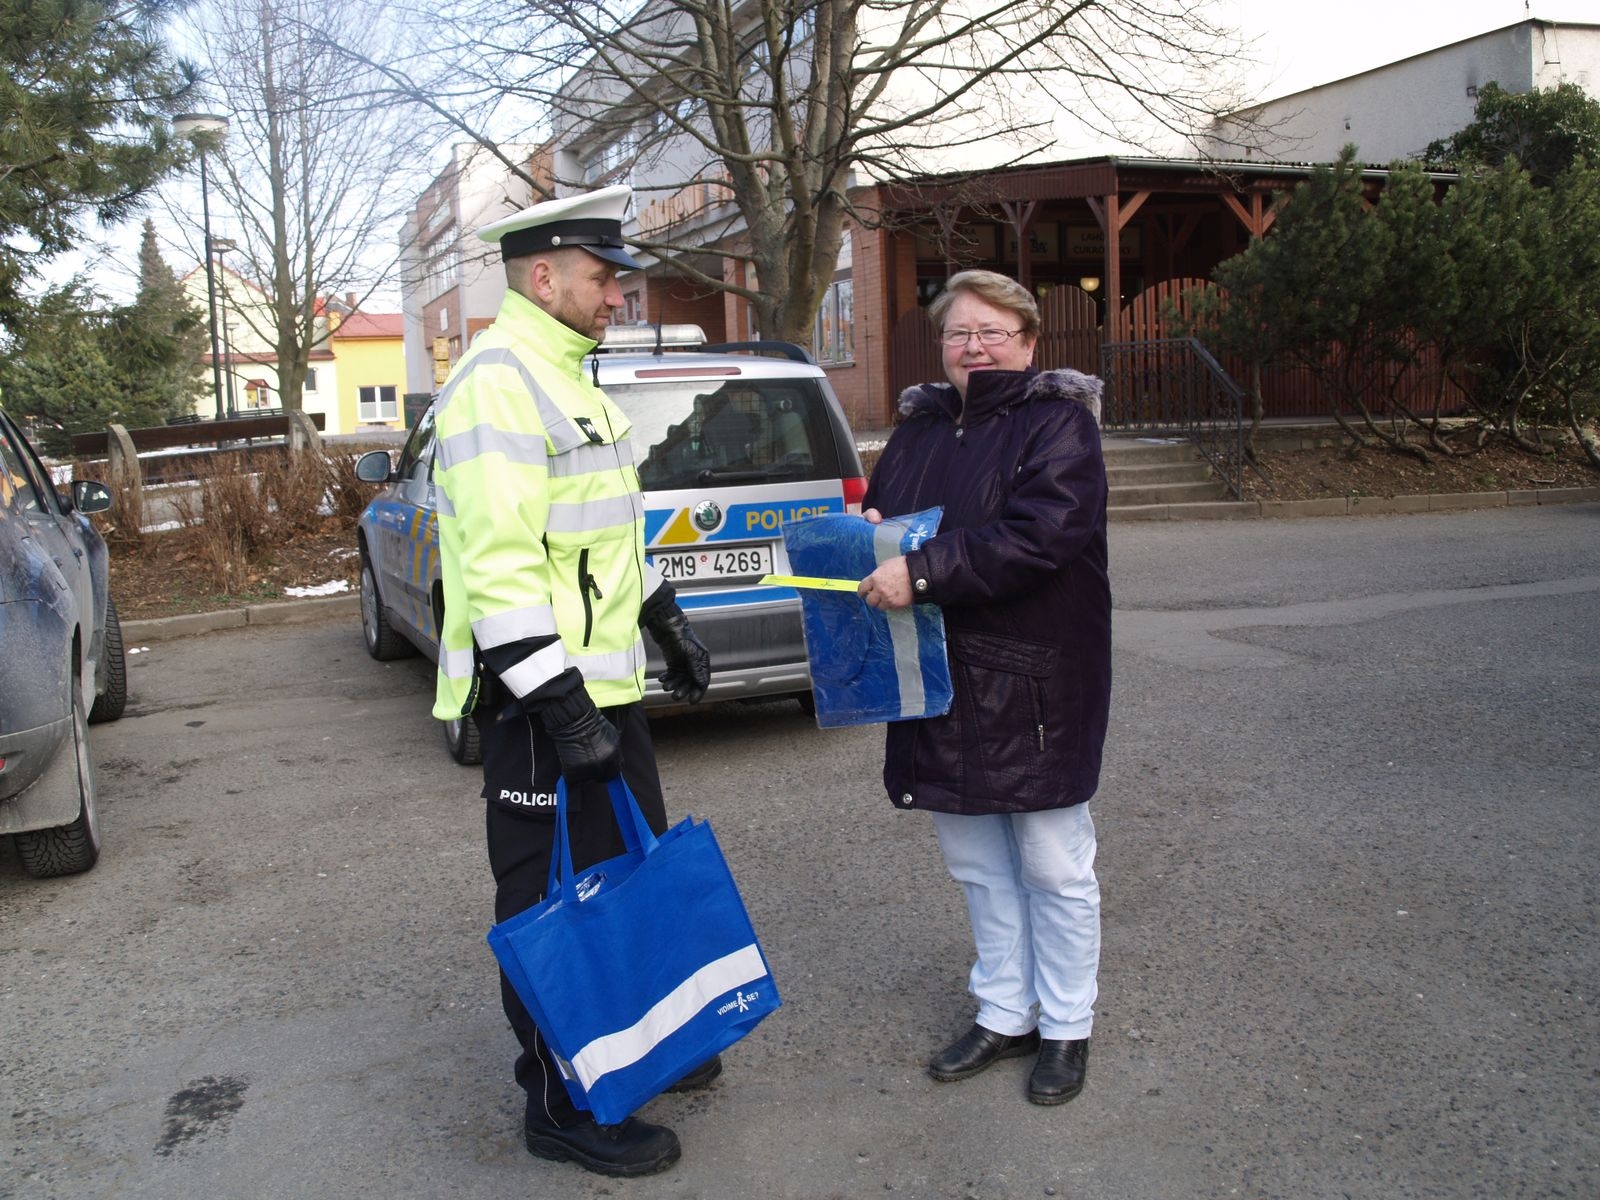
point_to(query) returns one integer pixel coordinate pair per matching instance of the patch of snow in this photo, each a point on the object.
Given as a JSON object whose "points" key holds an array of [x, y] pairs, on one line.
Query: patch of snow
{"points": [[330, 588]]}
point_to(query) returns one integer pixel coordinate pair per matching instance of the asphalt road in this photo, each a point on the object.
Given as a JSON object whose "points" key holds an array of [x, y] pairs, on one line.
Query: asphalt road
{"points": [[1348, 830]]}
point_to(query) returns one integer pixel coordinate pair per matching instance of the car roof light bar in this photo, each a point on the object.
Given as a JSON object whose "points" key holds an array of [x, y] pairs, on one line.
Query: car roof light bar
{"points": [[652, 337]]}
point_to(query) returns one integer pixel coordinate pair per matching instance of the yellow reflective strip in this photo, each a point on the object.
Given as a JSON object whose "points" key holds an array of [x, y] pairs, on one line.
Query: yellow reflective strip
{"points": [[812, 581]]}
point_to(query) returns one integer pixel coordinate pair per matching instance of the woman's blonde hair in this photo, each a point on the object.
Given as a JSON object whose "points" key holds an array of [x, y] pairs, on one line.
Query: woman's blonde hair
{"points": [[999, 290]]}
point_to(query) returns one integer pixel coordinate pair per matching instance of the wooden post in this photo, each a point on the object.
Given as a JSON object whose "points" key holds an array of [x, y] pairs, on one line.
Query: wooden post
{"points": [[1021, 218], [302, 433], [122, 466]]}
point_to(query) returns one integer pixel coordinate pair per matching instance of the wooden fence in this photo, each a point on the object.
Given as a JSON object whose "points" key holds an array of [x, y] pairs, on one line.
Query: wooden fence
{"points": [[1071, 336]]}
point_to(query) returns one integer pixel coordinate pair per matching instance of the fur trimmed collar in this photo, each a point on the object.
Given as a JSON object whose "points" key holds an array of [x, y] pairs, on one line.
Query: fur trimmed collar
{"points": [[1063, 384]]}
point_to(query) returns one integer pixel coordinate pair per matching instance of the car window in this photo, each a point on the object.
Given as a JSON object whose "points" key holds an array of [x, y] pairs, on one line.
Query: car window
{"points": [[416, 460], [49, 495], [688, 433], [18, 488]]}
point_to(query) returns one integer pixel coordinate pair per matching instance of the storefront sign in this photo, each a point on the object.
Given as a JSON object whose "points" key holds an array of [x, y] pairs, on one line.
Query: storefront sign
{"points": [[1089, 241]]}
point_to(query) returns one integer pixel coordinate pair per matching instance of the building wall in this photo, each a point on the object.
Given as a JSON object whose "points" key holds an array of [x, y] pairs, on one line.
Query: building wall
{"points": [[473, 190], [367, 362], [1394, 111], [249, 352]]}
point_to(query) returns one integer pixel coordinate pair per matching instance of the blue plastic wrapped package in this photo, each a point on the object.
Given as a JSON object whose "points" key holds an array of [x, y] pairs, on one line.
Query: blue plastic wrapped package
{"points": [[867, 665]]}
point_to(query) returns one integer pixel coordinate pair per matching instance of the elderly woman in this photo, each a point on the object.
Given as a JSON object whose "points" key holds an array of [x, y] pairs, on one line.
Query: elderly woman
{"points": [[1018, 568]]}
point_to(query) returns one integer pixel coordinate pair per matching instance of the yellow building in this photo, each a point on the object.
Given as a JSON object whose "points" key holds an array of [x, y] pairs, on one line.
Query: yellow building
{"points": [[354, 376], [369, 359]]}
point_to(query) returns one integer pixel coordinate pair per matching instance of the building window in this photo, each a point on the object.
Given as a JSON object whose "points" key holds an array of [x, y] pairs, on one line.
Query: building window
{"points": [[835, 337], [613, 162], [310, 384], [441, 265], [379, 403]]}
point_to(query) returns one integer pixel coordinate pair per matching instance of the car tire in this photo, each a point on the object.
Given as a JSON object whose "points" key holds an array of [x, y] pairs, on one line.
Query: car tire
{"points": [[75, 847], [808, 703], [384, 642], [109, 704], [461, 738]]}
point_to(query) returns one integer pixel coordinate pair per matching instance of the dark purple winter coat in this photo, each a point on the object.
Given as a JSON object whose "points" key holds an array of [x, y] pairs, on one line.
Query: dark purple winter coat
{"points": [[1019, 569]]}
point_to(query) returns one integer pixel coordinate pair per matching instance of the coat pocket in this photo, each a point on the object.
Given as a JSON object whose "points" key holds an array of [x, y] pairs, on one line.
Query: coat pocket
{"points": [[1004, 712], [998, 652]]}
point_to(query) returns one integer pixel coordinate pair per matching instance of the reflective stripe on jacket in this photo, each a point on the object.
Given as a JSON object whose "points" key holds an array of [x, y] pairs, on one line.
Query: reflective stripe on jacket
{"points": [[541, 524]]}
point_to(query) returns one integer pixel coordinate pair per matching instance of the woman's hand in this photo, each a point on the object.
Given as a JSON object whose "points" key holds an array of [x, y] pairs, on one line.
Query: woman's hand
{"points": [[873, 516], [889, 587]]}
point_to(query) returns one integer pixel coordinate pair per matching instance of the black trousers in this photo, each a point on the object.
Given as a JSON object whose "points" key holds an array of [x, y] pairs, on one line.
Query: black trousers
{"points": [[520, 769]]}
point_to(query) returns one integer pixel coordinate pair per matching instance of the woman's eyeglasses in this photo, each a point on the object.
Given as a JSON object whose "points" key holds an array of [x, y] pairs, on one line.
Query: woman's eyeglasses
{"points": [[986, 337]]}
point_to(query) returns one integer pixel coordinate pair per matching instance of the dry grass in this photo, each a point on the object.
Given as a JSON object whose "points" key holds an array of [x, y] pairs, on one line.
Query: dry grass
{"points": [[235, 520]]}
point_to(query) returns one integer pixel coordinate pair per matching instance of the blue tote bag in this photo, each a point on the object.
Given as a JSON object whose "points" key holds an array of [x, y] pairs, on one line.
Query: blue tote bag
{"points": [[642, 967]]}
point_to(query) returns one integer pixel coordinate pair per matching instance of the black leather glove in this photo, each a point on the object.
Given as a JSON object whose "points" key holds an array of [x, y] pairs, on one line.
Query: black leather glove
{"points": [[588, 745], [688, 672]]}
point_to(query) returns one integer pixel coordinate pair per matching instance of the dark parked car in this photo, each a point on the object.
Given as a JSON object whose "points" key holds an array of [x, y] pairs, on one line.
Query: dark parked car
{"points": [[61, 661]]}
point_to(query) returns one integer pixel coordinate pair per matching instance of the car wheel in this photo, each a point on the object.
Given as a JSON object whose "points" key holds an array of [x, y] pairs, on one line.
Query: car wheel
{"points": [[68, 849], [383, 640], [108, 705], [461, 736], [808, 703]]}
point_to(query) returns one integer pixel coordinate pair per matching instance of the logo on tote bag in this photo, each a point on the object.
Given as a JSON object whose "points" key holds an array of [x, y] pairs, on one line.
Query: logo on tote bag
{"points": [[741, 1000]]}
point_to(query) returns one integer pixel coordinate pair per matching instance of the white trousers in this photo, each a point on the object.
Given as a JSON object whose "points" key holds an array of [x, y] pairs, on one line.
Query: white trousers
{"points": [[1035, 909]]}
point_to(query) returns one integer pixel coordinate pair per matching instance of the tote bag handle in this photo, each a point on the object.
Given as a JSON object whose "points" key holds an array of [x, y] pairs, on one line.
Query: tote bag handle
{"points": [[637, 836]]}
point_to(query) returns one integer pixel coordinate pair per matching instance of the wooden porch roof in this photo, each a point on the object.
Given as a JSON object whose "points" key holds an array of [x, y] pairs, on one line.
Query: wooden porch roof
{"points": [[1093, 177]]}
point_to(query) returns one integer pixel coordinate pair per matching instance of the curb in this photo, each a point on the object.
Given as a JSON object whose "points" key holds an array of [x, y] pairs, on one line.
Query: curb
{"points": [[1349, 506], [283, 612]]}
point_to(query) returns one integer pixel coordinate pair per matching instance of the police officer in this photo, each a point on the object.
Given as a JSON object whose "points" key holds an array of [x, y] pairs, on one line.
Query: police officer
{"points": [[546, 589]]}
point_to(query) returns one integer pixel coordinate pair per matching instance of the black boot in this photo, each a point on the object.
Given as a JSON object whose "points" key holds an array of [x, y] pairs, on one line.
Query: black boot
{"points": [[700, 1077], [634, 1147], [978, 1049], [1058, 1075]]}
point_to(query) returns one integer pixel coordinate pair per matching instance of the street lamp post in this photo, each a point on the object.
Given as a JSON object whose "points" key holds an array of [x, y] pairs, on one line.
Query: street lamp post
{"points": [[197, 127], [219, 247]]}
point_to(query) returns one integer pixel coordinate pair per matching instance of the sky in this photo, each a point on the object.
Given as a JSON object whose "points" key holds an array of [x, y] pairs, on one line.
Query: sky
{"points": [[1297, 44], [1302, 43]]}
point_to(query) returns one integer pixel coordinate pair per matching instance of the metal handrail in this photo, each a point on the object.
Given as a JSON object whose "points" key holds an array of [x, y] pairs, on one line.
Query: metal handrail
{"points": [[1175, 386]]}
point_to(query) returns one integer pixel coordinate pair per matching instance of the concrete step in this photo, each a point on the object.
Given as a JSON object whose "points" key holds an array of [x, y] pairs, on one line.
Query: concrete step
{"points": [[1141, 475], [1144, 472], [1165, 493], [1122, 450]]}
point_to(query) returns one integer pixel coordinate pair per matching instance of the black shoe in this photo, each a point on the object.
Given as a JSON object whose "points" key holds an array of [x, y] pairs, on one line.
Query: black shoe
{"points": [[700, 1077], [634, 1147], [978, 1049], [1058, 1075]]}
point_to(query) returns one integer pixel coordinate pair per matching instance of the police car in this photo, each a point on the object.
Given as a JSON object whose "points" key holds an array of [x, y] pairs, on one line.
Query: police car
{"points": [[730, 443]]}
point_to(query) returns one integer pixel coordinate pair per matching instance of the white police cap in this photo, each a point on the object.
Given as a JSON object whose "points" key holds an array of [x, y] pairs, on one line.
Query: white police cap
{"points": [[591, 221]]}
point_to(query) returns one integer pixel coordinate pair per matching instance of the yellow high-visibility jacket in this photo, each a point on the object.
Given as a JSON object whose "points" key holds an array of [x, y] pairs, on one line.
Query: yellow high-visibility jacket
{"points": [[541, 524]]}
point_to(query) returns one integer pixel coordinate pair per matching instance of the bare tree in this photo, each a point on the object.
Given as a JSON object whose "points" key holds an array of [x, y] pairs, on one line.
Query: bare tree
{"points": [[750, 124], [318, 169]]}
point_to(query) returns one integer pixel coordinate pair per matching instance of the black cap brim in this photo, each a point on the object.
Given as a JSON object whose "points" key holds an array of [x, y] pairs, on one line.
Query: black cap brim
{"points": [[615, 255]]}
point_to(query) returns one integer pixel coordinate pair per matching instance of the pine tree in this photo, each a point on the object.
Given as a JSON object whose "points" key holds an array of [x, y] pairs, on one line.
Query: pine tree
{"points": [[86, 364], [161, 337], [86, 95]]}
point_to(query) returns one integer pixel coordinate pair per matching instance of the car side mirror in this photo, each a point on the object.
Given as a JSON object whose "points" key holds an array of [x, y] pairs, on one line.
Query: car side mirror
{"points": [[90, 496], [374, 467]]}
